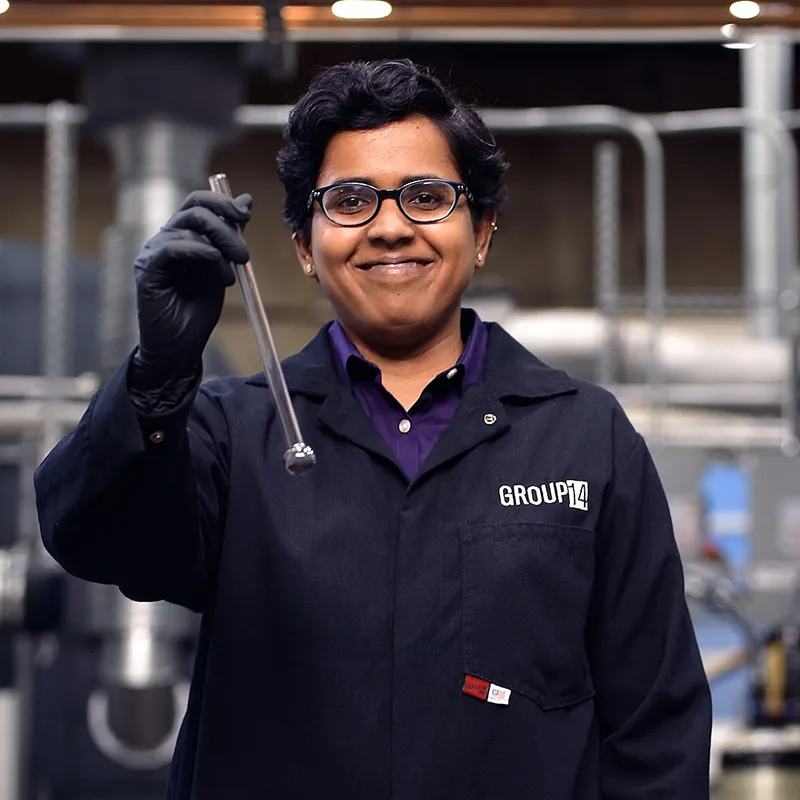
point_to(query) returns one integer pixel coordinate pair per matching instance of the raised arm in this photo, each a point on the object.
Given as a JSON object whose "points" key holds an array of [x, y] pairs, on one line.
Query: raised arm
{"points": [[135, 495]]}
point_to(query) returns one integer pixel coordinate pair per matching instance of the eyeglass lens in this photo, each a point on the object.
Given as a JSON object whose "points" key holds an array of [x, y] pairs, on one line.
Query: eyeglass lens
{"points": [[425, 201]]}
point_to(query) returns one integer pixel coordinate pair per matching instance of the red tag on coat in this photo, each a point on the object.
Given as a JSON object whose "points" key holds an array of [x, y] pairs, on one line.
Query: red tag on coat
{"points": [[475, 687]]}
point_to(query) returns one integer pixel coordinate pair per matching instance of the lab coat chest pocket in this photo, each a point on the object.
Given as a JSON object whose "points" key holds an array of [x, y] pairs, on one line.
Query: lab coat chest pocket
{"points": [[526, 593]]}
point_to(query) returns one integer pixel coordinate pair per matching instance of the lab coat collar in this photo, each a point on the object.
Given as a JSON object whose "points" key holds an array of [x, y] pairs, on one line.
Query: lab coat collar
{"points": [[511, 371]]}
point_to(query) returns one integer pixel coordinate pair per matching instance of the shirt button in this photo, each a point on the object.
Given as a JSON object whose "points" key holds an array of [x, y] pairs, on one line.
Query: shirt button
{"points": [[157, 437], [405, 426], [453, 372]]}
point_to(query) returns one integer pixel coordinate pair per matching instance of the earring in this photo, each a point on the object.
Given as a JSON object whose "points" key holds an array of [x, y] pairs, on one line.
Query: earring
{"points": [[309, 268], [480, 257]]}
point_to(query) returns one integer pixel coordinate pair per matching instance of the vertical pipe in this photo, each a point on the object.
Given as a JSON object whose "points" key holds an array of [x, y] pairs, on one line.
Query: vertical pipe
{"points": [[607, 240], [157, 162], [655, 253], [60, 157], [10, 756], [767, 73]]}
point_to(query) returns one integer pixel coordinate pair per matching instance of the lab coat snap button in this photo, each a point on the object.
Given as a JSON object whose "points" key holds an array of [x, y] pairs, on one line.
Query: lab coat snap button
{"points": [[490, 419], [157, 437]]}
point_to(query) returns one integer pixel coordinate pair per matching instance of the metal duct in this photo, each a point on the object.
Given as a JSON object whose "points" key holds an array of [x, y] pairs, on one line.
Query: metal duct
{"points": [[574, 339], [135, 715], [767, 70], [157, 163]]}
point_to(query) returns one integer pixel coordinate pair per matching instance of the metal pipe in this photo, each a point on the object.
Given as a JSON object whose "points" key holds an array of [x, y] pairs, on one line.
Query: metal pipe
{"points": [[598, 119], [766, 77], [274, 118], [60, 159], [117, 33], [775, 128], [37, 387], [10, 751], [30, 115], [607, 238]]}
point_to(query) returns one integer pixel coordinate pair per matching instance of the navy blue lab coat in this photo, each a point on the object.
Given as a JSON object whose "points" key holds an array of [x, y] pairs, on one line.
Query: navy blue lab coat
{"points": [[342, 611]]}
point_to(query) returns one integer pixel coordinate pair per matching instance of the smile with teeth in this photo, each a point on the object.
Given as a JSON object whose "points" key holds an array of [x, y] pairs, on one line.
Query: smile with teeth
{"points": [[395, 267]]}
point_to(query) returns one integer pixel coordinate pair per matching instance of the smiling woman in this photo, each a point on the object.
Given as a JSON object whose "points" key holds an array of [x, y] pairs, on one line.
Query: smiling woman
{"points": [[393, 187], [476, 593]]}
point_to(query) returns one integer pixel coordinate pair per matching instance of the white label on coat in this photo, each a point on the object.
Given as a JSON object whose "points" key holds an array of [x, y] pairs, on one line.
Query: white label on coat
{"points": [[498, 695], [575, 493]]}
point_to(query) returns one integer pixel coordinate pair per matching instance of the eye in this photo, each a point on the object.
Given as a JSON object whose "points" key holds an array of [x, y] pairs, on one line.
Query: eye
{"points": [[428, 197], [425, 199], [348, 200]]}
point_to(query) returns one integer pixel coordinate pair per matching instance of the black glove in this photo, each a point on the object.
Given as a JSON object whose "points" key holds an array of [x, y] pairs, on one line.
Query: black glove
{"points": [[181, 276]]}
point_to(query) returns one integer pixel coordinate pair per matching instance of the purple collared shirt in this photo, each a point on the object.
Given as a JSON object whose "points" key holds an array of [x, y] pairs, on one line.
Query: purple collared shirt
{"points": [[412, 434]]}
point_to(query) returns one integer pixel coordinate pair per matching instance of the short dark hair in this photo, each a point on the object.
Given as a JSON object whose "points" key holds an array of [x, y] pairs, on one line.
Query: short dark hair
{"points": [[364, 95]]}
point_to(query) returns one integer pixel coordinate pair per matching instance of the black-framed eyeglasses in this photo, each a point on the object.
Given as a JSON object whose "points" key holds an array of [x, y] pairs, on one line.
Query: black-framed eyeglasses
{"points": [[423, 201]]}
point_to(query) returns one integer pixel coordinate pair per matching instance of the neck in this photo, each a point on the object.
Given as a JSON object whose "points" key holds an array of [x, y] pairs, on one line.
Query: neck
{"points": [[407, 370]]}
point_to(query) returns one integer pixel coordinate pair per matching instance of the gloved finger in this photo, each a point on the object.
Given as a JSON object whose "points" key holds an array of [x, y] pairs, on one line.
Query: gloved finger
{"points": [[192, 254], [245, 202], [220, 233], [236, 210]]}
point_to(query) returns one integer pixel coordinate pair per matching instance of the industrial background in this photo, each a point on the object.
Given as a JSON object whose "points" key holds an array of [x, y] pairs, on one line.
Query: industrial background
{"points": [[651, 243]]}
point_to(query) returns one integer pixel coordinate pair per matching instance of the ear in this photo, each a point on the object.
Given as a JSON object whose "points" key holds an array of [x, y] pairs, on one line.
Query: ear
{"points": [[484, 231], [302, 248]]}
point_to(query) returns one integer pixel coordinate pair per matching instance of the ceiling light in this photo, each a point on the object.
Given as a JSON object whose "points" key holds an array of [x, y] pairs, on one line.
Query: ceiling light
{"points": [[734, 38], [4, 6], [745, 9], [361, 9]]}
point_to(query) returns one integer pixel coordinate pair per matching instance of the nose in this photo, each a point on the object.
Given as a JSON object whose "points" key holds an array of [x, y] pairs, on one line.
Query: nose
{"points": [[390, 226]]}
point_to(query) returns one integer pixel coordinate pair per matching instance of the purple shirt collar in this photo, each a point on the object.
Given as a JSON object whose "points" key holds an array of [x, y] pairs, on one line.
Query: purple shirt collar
{"points": [[412, 434], [470, 364]]}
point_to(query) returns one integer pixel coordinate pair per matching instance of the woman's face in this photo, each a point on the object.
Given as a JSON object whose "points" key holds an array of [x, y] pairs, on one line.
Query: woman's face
{"points": [[394, 282]]}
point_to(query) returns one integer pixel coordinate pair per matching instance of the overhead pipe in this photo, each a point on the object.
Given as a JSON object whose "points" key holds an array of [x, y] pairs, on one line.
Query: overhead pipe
{"points": [[369, 33]]}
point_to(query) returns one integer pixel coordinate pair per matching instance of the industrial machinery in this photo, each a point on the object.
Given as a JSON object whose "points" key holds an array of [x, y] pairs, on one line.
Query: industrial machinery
{"points": [[31, 593], [761, 759]]}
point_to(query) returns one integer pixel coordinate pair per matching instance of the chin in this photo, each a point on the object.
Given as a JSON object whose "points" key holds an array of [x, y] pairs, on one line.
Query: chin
{"points": [[404, 328]]}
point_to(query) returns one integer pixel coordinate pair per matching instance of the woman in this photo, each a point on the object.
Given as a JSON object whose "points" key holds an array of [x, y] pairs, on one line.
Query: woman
{"points": [[476, 593]]}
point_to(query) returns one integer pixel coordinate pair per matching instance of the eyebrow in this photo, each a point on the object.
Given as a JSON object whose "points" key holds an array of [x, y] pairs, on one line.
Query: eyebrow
{"points": [[403, 181]]}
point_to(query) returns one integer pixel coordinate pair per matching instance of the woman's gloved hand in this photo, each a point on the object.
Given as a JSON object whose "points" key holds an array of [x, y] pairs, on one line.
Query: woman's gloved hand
{"points": [[181, 276]]}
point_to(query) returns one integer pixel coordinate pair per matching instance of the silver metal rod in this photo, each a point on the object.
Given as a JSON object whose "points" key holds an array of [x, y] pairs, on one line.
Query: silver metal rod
{"points": [[607, 238], [299, 458], [59, 195]]}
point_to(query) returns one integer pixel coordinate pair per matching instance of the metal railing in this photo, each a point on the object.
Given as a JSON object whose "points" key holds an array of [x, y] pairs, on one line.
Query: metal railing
{"points": [[59, 119]]}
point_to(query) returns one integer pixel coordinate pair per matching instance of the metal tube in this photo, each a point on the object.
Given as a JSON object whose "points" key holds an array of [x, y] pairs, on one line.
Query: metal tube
{"points": [[10, 746], [594, 119], [299, 458], [607, 236], [775, 129], [766, 72], [60, 160], [646, 130], [31, 115], [59, 177], [367, 33]]}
